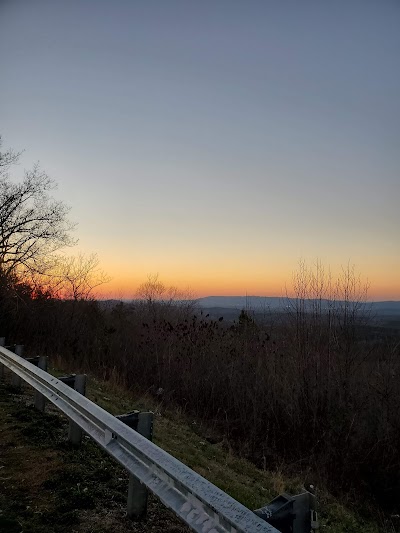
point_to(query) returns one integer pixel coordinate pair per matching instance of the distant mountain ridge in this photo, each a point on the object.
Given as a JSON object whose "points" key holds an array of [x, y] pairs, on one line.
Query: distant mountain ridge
{"points": [[276, 302], [263, 303], [227, 302]]}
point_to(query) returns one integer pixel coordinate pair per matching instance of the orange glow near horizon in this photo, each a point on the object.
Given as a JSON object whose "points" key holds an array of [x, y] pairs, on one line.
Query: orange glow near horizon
{"points": [[198, 285], [224, 271]]}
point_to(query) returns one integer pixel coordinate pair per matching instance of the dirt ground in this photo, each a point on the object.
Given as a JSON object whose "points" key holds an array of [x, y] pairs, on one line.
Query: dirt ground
{"points": [[48, 486]]}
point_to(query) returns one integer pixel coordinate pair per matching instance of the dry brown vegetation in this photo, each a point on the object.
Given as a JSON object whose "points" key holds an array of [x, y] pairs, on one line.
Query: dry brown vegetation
{"points": [[315, 392]]}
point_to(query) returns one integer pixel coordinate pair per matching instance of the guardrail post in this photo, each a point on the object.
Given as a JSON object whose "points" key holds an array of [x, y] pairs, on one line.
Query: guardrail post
{"points": [[16, 381], [39, 398], [2, 343], [75, 432], [137, 491]]}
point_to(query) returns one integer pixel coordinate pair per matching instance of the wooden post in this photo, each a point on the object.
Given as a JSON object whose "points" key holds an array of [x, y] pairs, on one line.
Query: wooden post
{"points": [[75, 432], [16, 381], [39, 398], [2, 343], [137, 492]]}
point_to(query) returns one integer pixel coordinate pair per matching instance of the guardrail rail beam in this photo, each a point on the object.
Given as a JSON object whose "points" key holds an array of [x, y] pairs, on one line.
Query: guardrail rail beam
{"points": [[201, 505]]}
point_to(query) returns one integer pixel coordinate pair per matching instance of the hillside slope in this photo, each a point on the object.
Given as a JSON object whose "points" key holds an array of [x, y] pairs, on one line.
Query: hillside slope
{"points": [[47, 486]]}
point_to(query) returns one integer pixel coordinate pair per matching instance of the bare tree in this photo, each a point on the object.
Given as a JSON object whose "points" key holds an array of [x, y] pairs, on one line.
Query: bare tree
{"points": [[81, 275], [152, 289], [162, 300], [32, 224], [69, 277], [7, 159], [319, 300]]}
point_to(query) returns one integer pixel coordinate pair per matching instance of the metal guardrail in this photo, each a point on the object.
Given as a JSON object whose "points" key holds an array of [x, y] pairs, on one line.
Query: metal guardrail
{"points": [[200, 504]]}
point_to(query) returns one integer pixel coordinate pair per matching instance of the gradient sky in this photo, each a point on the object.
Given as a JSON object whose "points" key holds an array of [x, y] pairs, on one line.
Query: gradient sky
{"points": [[213, 142]]}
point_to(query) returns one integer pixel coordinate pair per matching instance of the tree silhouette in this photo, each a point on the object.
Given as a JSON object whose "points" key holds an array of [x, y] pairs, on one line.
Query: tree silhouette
{"points": [[32, 224]]}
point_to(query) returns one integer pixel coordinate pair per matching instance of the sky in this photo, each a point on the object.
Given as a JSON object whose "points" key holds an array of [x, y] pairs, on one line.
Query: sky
{"points": [[216, 143]]}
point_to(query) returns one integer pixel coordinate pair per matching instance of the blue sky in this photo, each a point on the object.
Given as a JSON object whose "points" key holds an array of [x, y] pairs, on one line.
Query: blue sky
{"points": [[213, 142]]}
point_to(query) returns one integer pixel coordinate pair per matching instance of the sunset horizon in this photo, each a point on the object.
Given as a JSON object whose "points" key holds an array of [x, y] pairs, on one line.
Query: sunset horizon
{"points": [[217, 145], [128, 290]]}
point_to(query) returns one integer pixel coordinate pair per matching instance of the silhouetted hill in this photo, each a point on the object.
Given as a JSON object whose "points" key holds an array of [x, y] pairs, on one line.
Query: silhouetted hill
{"points": [[242, 302], [259, 303]]}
